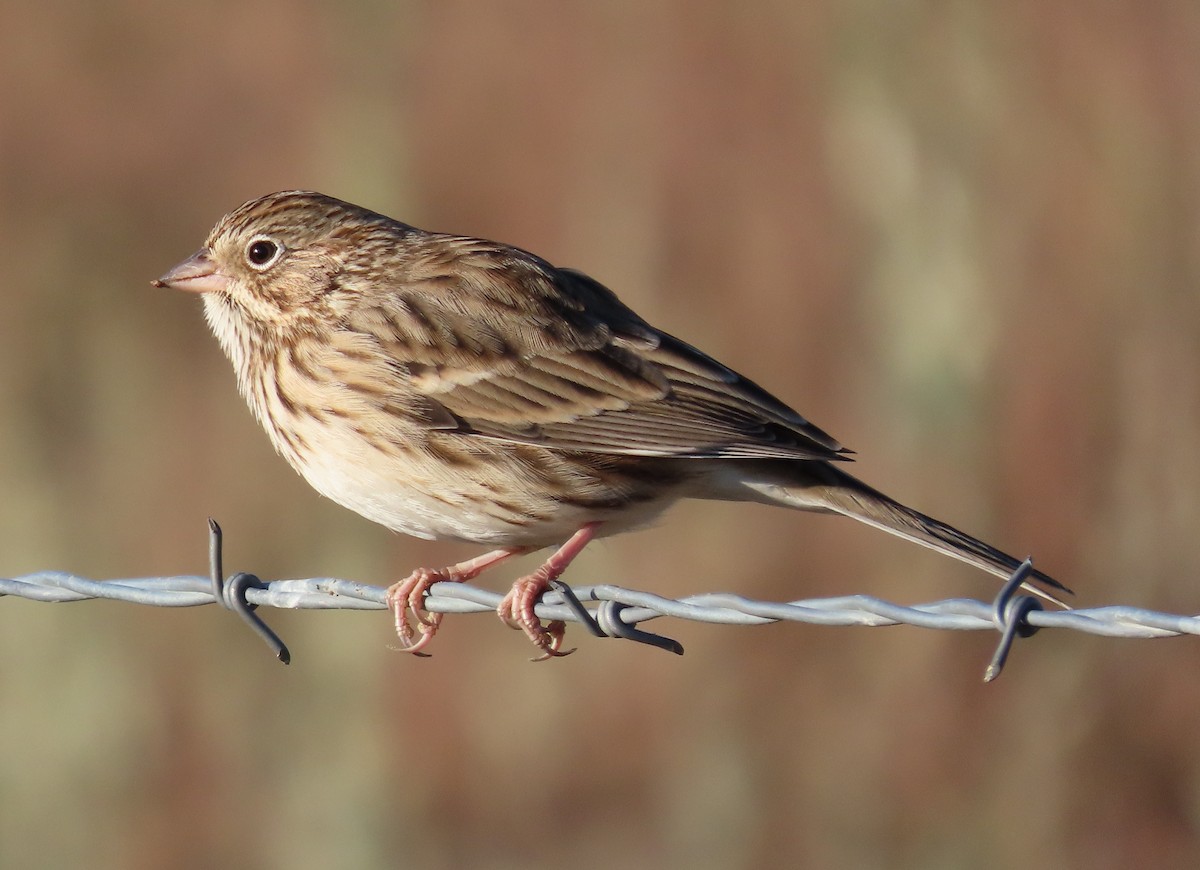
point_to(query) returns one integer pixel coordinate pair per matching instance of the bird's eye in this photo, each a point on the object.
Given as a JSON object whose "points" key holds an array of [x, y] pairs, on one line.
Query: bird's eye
{"points": [[262, 253]]}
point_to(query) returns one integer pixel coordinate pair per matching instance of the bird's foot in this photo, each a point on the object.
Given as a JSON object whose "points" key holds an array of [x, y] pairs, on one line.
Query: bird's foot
{"points": [[517, 611], [408, 597], [517, 608]]}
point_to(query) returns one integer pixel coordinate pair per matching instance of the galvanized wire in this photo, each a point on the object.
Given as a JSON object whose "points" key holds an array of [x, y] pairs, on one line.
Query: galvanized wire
{"points": [[324, 593], [615, 610]]}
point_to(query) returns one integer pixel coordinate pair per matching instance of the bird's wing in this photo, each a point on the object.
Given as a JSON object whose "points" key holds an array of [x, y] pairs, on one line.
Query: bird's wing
{"points": [[520, 351]]}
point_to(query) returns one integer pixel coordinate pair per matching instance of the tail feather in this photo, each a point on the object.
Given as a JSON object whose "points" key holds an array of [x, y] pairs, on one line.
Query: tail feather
{"points": [[820, 486], [876, 509]]}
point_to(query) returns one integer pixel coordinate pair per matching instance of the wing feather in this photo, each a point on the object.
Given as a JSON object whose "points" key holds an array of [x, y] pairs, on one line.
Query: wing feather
{"points": [[517, 350]]}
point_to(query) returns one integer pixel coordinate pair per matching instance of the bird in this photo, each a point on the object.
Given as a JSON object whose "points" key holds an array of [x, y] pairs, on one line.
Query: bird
{"points": [[456, 388]]}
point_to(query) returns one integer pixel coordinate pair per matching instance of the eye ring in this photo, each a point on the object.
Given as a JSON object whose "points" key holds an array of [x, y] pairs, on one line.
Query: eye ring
{"points": [[263, 252]]}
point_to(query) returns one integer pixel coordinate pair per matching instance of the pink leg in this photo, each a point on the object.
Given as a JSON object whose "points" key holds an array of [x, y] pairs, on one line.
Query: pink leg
{"points": [[517, 608], [409, 595]]}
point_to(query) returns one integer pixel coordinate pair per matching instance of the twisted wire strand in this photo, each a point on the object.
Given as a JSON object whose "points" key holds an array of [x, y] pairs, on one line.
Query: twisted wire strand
{"points": [[615, 611], [325, 593]]}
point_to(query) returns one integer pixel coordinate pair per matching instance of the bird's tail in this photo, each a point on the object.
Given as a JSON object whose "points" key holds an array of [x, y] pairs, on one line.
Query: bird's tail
{"points": [[821, 486]]}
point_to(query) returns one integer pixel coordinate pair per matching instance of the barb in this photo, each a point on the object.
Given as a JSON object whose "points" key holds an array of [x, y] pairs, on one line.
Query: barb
{"points": [[607, 622], [231, 594], [1010, 614]]}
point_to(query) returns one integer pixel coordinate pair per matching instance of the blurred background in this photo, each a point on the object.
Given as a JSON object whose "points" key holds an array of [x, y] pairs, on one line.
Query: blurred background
{"points": [[963, 238]]}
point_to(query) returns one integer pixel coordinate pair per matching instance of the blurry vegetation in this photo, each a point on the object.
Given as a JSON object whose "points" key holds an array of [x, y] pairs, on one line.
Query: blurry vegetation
{"points": [[962, 237]]}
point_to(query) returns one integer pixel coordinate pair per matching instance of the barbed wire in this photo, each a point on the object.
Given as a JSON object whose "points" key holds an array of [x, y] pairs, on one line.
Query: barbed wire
{"points": [[616, 611]]}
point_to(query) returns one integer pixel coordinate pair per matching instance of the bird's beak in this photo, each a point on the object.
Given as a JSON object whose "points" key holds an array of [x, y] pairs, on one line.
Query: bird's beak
{"points": [[197, 274]]}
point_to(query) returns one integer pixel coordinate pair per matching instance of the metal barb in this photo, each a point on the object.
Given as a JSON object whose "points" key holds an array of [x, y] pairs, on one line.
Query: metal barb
{"points": [[611, 623], [607, 622], [231, 594], [572, 601], [1010, 615]]}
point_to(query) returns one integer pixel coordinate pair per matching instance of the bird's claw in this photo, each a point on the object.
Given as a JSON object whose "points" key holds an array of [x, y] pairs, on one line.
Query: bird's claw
{"points": [[408, 596], [549, 640], [517, 612]]}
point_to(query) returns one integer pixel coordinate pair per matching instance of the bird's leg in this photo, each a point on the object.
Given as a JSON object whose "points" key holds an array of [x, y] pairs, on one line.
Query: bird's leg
{"points": [[517, 607], [409, 596]]}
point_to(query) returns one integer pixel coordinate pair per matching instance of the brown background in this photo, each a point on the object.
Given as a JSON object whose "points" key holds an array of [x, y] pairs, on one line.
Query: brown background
{"points": [[962, 237]]}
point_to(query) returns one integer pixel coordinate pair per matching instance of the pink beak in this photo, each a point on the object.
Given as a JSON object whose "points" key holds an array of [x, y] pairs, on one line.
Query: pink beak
{"points": [[197, 274]]}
